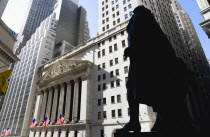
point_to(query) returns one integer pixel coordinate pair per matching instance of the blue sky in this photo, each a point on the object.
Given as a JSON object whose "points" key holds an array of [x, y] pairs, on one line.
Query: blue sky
{"points": [[15, 13]]}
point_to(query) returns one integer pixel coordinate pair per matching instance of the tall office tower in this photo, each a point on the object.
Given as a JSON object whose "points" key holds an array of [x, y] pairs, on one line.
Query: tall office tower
{"points": [[19, 101], [38, 10], [205, 11], [22, 87], [3, 4], [114, 12], [197, 61]]}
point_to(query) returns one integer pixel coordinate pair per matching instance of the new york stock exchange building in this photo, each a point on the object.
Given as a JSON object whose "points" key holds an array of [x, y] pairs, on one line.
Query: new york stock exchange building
{"points": [[86, 86]]}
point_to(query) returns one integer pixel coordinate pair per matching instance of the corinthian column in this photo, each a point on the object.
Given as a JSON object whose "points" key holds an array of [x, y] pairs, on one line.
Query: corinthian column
{"points": [[38, 106], [84, 99], [43, 108], [49, 102], [68, 101], [55, 105], [61, 100], [76, 101]]}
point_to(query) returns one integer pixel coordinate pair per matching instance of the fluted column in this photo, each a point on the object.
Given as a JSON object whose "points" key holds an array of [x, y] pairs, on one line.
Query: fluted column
{"points": [[68, 101], [49, 134], [83, 109], [55, 105], [49, 102], [38, 106], [56, 133], [71, 134], [63, 134], [37, 133], [31, 134], [43, 133], [76, 101], [61, 100], [43, 108]]}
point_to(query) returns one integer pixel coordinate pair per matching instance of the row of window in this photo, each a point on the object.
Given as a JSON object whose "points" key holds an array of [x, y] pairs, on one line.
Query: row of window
{"points": [[112, 100], [103, 52], [103, 86], [113, 113]]}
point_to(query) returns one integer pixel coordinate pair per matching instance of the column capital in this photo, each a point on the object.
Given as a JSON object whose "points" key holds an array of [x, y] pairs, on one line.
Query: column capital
{"points": [[84, 77], [56, 86], [76, 80], [40, 92]]}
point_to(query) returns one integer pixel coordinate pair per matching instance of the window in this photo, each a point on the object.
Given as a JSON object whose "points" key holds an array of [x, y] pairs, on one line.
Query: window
{"points": [[126, 79], [103, 9], [126, 69], [103, 28], [118, 20], [107, 26], [118, 13], [99, 87], [119, 112], [111, 74], [104, 76], [104, 114], [131, 13], [112, 100], [106, 6], [117, 6], [111, 62], [112, 2], [115, 36], [116, 0], [113, 9], [119, 99], [110, 39], [99, 54], [124, 58], [103, 21], [124, 2], [129, 6], [113, 15], [112, 84], [115, 47], [107, 19], [126, 16], [103, 3], [99, 67], [104, 101], [104, 86], [99, 115], [110, 49], [116, 61], [117, 72], [125, 9], [103, 52], [103, 15], [103, 65], [114, 23], [118, 83], [107, 12], [99, 102], [123, 42], [99, 78], [113, 113]]}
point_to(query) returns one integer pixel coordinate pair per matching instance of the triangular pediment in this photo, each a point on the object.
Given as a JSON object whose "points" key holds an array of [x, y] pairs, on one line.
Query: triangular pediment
{"points": [[63, 67]]}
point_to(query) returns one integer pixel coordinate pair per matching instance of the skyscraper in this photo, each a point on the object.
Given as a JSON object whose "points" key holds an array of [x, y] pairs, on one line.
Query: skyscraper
{"points": [[197, 63], [205, 11], [35, 46]]}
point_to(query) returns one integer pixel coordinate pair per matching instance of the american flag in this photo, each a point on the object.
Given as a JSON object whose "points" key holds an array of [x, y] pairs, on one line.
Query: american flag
{"points": [[34, 123], [7, 132], [61, 119], [46, 121], [3, 132]]}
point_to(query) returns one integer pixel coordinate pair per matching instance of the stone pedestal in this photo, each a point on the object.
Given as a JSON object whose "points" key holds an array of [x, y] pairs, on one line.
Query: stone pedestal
{"points": [[142, 134]]}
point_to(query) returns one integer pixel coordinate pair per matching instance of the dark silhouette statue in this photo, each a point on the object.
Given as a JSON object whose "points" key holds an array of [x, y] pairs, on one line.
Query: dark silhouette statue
{"points": [[156, 78]]}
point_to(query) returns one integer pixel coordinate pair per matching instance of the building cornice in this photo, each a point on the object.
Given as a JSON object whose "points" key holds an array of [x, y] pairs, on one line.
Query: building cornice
{"points": [[7, 29]]}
